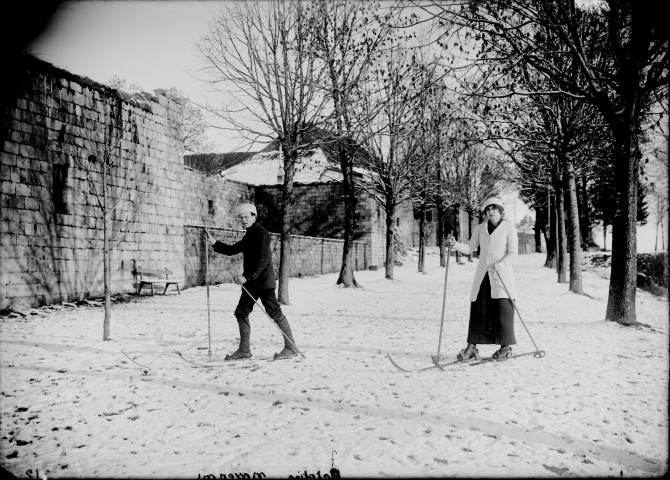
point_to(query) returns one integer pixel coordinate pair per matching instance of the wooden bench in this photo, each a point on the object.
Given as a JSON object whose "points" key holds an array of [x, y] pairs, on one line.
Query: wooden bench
{"points": [[147, 278]]}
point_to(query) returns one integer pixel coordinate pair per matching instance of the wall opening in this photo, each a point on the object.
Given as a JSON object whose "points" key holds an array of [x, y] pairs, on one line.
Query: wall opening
{"points": [[60, 187]]}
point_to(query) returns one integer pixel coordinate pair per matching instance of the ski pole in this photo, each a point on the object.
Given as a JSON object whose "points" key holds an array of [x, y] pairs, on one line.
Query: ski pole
{"points": [[444, 301], [266, 313], [538, 353], [209, 323]]}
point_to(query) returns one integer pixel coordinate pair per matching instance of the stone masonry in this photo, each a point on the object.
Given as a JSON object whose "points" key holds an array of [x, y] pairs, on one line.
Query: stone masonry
{"points": [[63, 138], [309, 255], [60, 130], [318, 211]]}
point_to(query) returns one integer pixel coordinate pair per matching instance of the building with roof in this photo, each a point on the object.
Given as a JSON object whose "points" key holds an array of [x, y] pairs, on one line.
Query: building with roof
{"points": [[318, 193]]}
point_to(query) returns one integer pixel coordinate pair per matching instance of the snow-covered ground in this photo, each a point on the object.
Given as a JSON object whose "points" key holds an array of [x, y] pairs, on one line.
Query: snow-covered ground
{"points": [[595, 405]]}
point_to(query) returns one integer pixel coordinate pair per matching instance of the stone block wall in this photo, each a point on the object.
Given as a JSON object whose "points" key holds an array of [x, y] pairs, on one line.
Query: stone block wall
{"points": [[62, 134], [318, 209], [199, 258], [318, 256], [309, 256], [59, 130], [319, 212]]}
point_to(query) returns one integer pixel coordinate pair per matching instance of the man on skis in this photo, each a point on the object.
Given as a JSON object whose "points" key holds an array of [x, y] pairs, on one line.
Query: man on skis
{"points": [[258, 281]]}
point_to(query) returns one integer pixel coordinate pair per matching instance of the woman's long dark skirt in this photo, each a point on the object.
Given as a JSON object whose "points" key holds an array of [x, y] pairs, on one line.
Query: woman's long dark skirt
{"points": [[491, 319]]}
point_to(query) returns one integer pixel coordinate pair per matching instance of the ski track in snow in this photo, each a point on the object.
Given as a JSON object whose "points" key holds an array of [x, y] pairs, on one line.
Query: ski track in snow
{"points": [[595, 405]]}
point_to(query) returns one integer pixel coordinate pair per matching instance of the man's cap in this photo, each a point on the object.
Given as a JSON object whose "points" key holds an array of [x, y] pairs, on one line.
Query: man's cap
{"points": [[246, 208], [493, 201]]}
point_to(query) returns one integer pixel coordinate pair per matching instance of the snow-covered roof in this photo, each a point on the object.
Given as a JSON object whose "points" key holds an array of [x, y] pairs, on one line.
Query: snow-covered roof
{"points": [[266, 168]]}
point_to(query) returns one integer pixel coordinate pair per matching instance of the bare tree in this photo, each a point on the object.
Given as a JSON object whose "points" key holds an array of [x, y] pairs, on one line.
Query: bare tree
{"points": [[111, 171], [390, 98], [259, 54], [348, 34], [470, 173], [193, 131], [620, 57], [119, 83], [659, 188], [431, 115], [660, 212], [428, 134], [566, 132]]}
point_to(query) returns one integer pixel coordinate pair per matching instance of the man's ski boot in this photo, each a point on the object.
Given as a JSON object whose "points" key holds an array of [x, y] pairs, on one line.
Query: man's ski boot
{"points": [[243, 351], [285, 354], [290, 350], [502, 353], [238, 355], [468, 353]]}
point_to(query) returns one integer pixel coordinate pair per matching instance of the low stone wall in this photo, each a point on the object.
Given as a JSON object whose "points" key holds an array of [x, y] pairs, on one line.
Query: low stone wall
{"points": [[309, 256], [652, 268]]}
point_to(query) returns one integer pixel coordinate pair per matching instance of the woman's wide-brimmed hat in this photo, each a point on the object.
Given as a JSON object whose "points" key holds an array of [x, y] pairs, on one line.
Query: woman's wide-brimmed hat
{"points": [[493, 201]]}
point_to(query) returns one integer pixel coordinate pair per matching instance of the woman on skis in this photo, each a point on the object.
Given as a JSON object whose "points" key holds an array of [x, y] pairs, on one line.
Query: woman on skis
{"points": [[491, 309]]}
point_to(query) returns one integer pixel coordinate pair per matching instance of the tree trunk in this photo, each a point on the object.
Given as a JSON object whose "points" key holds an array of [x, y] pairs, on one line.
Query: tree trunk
{"points": [[441, 218], [470, 220], [561, 238], [584, 212], [285, 234], [580, 207], [422, 239], [623, 275], [538, 228], [346, 277], [390, 241], [440, 232], [550, 233], [573, 230], [422, 225], [455, 221], [662, 237], [108, 283], [106, 326]]}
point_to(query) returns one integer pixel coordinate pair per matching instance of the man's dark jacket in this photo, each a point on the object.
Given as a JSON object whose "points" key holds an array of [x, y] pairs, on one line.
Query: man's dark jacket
{"points": [[255, 247]]}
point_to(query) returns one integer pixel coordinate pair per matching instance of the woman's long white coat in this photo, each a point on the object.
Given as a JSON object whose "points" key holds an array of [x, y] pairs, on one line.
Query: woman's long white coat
{"points": [[500, 246]]}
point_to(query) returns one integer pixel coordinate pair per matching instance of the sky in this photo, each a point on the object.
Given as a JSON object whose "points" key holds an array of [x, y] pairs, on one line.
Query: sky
{"points": [[152, 44]]}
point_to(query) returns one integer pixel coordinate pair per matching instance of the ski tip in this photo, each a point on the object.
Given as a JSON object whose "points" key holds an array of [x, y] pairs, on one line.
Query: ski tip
{"points": [[395, 364]]}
